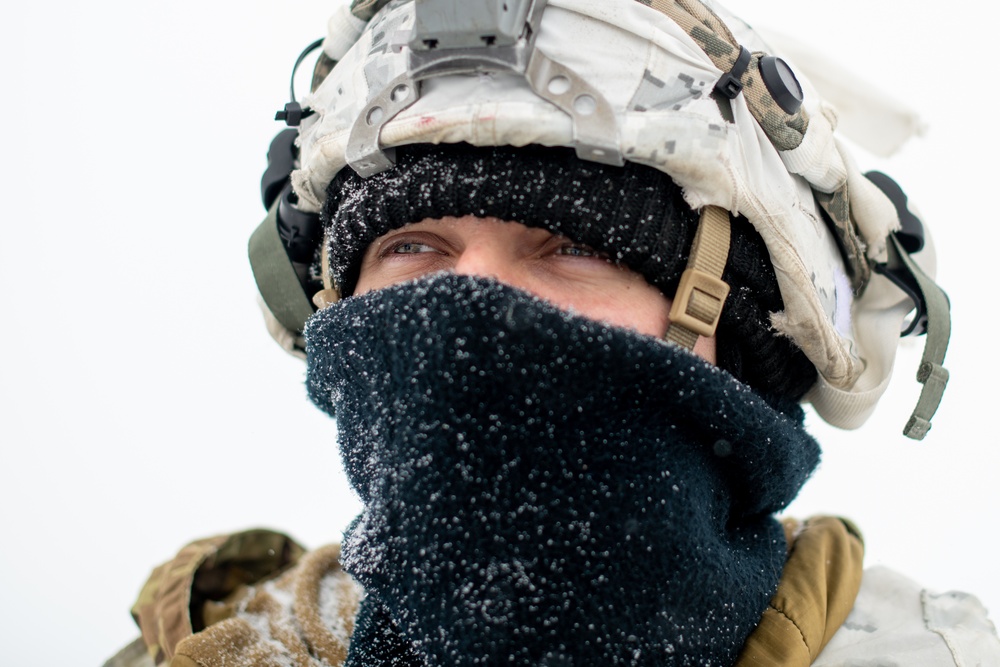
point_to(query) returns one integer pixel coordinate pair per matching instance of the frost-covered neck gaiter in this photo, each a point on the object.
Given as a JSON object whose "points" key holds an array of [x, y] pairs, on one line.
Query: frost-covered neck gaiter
{"points": [[542, 489]]}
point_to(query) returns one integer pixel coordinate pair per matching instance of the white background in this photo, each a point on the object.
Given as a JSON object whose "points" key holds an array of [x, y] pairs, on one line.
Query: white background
{"points": [[142, 403]]}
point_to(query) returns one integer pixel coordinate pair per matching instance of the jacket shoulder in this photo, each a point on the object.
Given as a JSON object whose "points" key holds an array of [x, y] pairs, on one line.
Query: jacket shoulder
{"points": [[303, 617], [894, 618]]}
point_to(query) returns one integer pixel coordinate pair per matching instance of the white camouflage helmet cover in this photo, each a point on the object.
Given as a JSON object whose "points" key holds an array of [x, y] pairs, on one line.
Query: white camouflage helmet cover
{"points": [[637, 61]]}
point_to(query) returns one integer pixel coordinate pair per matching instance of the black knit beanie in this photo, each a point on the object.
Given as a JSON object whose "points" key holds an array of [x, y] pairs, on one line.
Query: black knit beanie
{"points": [[634, 213]]}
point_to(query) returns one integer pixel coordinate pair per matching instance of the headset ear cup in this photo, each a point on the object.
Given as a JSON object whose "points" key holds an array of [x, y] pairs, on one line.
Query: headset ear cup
{"points": [[281, 157], [277, 280]]}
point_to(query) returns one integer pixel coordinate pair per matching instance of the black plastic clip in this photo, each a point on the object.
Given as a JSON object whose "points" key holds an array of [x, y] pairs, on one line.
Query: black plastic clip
{"points": [[293, 113], [731, 84]]}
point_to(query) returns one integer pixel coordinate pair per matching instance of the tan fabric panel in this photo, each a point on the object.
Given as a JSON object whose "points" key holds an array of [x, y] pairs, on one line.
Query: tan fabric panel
{"points": [[817, 591]]}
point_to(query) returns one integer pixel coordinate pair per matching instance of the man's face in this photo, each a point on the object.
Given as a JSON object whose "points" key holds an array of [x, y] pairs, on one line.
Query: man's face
{"points": [[568, 275]]}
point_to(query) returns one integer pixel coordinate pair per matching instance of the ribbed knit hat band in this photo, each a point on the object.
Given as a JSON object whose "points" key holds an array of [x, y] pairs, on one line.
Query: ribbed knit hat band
{"points": [[634, 214]]}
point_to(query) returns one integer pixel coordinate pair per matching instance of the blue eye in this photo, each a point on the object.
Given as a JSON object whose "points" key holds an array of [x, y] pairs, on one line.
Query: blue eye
{"points": [[408, 248], [576, 250]]}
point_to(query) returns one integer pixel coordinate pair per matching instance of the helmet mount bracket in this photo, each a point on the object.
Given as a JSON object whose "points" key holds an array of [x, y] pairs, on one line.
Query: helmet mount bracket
{"points": [[464, 41]]}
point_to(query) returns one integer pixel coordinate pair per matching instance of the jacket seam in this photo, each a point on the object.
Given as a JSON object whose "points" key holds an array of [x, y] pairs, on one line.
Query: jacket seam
{"points": [[802, 635]]}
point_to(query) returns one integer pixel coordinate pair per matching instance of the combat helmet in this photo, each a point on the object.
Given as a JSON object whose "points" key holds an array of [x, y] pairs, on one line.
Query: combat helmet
{"points": [[680, 86]]}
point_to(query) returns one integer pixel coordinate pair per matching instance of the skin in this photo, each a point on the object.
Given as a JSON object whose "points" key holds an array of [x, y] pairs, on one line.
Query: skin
{"points": [[569, 275]]}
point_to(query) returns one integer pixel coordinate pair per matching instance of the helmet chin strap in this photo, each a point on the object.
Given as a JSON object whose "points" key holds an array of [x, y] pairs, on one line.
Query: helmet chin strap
{"points": [[701, 293], [932, 304], [330, 294]]}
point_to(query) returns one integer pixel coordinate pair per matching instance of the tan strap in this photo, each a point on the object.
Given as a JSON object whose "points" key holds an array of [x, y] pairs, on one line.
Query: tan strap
{"points": [[702, 293], [330, 294]]}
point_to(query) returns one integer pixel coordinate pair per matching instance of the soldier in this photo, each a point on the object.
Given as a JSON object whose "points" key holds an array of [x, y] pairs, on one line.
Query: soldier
{"points": [[575, 266]]}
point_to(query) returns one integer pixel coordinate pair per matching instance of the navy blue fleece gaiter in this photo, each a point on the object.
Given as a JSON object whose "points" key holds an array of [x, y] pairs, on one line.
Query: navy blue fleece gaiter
{"points": [[542, 489]]}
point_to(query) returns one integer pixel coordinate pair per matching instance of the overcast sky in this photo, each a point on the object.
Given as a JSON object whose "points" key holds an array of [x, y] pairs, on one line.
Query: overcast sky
{"points": [[143, 404]]}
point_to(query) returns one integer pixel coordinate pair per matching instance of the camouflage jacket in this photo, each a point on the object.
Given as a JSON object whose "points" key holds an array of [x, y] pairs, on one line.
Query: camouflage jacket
{"points": [[257, 598]]}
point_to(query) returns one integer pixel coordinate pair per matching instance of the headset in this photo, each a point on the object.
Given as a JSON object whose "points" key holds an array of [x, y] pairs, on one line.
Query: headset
{"points": [[284, 245]]}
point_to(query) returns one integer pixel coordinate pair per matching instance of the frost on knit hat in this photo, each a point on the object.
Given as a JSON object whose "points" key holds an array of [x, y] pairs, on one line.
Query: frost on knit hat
{"points": [[634, 214]]}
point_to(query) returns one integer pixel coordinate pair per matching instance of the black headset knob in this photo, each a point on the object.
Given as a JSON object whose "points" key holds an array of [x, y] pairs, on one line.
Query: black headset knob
{"points": [[781, 83]]}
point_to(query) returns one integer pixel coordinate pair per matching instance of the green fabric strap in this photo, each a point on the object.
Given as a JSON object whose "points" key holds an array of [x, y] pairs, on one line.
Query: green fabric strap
{"points": [[276, 279], [931, 373], [366, 9]]}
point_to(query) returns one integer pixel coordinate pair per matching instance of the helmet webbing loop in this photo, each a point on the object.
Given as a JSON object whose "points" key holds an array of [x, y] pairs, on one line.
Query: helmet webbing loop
{"points": [[701, 293], [785, 130], [709, 31], [366, 9], [330, 294]]}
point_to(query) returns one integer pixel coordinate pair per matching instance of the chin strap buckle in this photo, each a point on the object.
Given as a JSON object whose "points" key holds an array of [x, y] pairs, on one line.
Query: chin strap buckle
{"points": [[293, 114], [702, 293], [698, 303]]}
